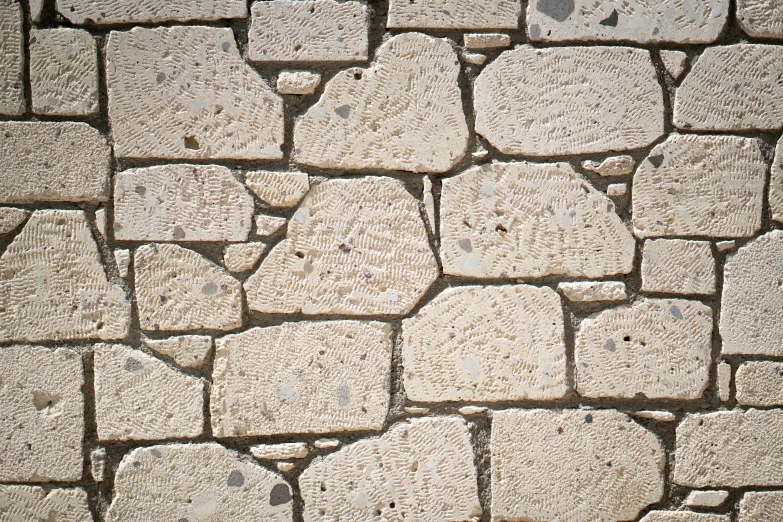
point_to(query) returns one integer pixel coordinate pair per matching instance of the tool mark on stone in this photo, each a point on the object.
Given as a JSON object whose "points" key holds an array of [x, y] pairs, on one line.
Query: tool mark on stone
{"points": [[560, 10], [611, 20]]}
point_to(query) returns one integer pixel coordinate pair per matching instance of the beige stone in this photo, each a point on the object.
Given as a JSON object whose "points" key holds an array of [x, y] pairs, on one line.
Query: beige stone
{"points": [[724, 246], [590, 291], [683, 516], [724, 381], [776, 184], [12, 61], [122, 257], [760, 383], [761, 506], [286, 450], [678, 266], [486, 40], [416, 410], [611, 166], [285, 467], [706, 499], [298, 82], [102, 222], [337, 379], [98, 464], [530, 220], [188, 351], [196, 482], [486, 343], [454, 14], [761, 18], [408, 100], [278, 189], [429, 203], [34, 503], [268, 225], [693, 185], [355, 246], [422, 469], [473, 58], [186, 92], [36, 6], [472, 410], [573, 465], [326, 443], [148, 11], [674, 62], [241, 257], [617, 190], [11, 218], [657, 416], [42, 408]]}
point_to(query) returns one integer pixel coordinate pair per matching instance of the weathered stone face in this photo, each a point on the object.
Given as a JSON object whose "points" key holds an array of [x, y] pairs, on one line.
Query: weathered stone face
{"points": [[189, 351], [776, 184], [11, 218], [278, 189], [760, 506], [683, 516], [594, 291], [446, 14], [761, 18], [760, 383], [34, 503], [148, 11], [12, 61], [678, 266]]}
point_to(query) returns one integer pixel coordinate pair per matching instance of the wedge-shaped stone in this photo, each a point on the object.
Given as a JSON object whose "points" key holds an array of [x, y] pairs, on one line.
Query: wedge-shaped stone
{"points": [[36, 6], [185, 92], [589, 291], [181, 203], [189, 351], [526, 101], [693, 185], [611, 166], [148, 11], [278, 189], [422, 469], [33, 503], [454, 14], [196, 482], [42, 412], [761, 18], [674, 62], [242, 256], [353, 247], [53, 286], [573, 465], [10, 218], [776, 184], [178, 289], [678, 266], [733, 88], [486, 343], [761, 506], [11, 59], [336, 379], [408, 100], [760, 383], [530, 220], [683, 516], [122, 257], [658, 348]]}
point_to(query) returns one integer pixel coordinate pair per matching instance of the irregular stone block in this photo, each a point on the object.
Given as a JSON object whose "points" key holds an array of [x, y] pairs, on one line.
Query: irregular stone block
{"points": [[268, 225], [617, 190], [486, 40], [42, 408], [36, 6], [181, 203], [421, 469], [474, 58], [486, 343], [683, 516], [285, 467], [724, 246], [678, 266], [242, 256], [278, 189], [761, 506], [337, 379], [178, 289], [102, 222], [326, 443], [122, 258], [693, 185], [449, 14], [186, 92], [611, 166], [760, 383], [409, 101], [542, 460], [706, 499], [196, 482], [34, 503], [11, 218], [526, 103], [298, 82], [761, 18], [289, 450], [724, 381], [188, 351], [98, 464], [530, 220], [355, 246], [657, 416], [674, 62], [776, 184], [12, 64], [429, 203], [590, 291], [148, 11]]}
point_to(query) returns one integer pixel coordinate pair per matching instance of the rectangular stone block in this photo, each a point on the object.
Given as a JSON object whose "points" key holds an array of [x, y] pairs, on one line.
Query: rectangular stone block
{"points": [[454, 14], [11, 59], [148, 11], [678, 266], [759, 383]]}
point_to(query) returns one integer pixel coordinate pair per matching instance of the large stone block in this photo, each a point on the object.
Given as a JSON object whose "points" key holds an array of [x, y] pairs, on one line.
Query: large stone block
{"points": [[12, 60], [148, 11], [761, 18], [34, 504], [454, 14]]}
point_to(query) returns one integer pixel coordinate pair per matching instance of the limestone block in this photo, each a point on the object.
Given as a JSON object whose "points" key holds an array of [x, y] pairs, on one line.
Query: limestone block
{"points": [[678, 266], [298, 82], [189, 351], [63, 72], [761, 506], [286, 450], [42, 408], [122, 257], [657, 416], [196, 482], [355, 246], [573, 465], [148, 11], [178, 289], [486, 343], [53, 286], [693, 185], [724, 381], [760, 383], [337, 379], [268, 225], [11, 218], [308, 31], [472, 410], [278, 189], [674, 62], [530, 220], [611, 166], [617, 190], [98, 464], [473, 58], [486, 40], [761, 18], [724, 246], [12, 101], [52, 161], [732, 88], [34, 503], [408, 100], [186, 92], [683, 516], [421, 469], [326, 443], [590, 291], [776, 184], [454, 14], [526, 102], [707, 499], [285, 467], [181, 203], [240, 257]]}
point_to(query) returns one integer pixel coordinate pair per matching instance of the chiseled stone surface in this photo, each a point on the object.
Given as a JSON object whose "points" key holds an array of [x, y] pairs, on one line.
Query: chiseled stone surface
{"points": [[240, 257], [611, 166], [708, 499], [11, 218], [589, 291], [12, 60], [454, 14], [776, 184], [530, 220], [678, 266], [148, 11], [33, 503], [674, 62], [286, 450], [278, 189], [761, 506], [421, 469], [298, 82], [683, 516], [189, 351], [760, 383], [612, 465], [761, 18]]}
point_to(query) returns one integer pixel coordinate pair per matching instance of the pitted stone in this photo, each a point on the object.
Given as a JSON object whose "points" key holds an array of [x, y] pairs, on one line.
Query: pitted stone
{"points": [[148, 11], [34, 503], [759, 383], [761, 18], [683, 516], [674, 62], [189, 351], [278, 189], [678, 266], [776, 184], [590, 291], [241, 257], [451, 14], [98, 464], [298, 82], [611, 166], [761, 506], [12, 61], [11, 218]]}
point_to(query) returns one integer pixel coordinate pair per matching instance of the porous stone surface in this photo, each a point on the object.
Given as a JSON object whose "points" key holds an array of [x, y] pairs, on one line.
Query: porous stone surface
{"points": [[278, 189], [761, 18], [724, 381], [34, 503], [12, 61], [122, 257], [776, 184], [602, 457], [674, 62], [188, 351], [708, 499], [241, 257], [589, 291], [611, 166], [268, 225], [451, 14], [759, 383], [286, 450], [678, 266], [148, 11], [11, 218], [683, 516], [298, 82], [761, 506], [486, 40]]}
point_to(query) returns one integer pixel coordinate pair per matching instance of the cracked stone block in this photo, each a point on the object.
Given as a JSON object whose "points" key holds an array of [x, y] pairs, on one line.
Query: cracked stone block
{"points": [[732, 88], [268, 225], [289, 450], [526, 103], [486, 343], [706, 499], [760, 383], [454, 14], [11, 218], [693, 185], [242, 256], [34, 503], [542, 460], [53, 286], [776, 184], [181, 203], [52, 161], [148, 11], [678, 266], [591, 291], [611, 166], [98, 464], [298, 82], [761, 18], [660, 348], [674, 62], [42, 408], [185, 92], [683, 516], [421, 469], [197, 482], [63, 72], [354, 246], [530, 220], [122, 257], [486, 40], [278, 189], [188, 351], [337, 379], [761, 506], [408, 100], [308, 31], [724, 381], [12, 102], [178, 289]]}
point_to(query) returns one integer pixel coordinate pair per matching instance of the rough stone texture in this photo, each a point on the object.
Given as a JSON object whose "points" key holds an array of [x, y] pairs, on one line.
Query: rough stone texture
{"points": [[11, 59], [337, 379], [268, 225], [486, 40], [760, 383], [611, 166], [761, 506], [148, 11], [534, 450], [178, 289], [102, 222], [42, 408], [708, 499], [409, 101], [683, 516], [724, 381], [486, 343], [454, 14], [98, 464], [11, 218], [761, 18], [33, 504], [196, 482], [700, 186], [122, 257], [732, 88], [422, 469], [594, 291], [678, 266], [326, 443], [278, 189], [185, 92], [243, 256], [181, 203], [674, 62], [298, 82], [776, 184], [526, 102], [617, 190], [354, 246], [188, 351], [530, 220], [289, 450]]}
